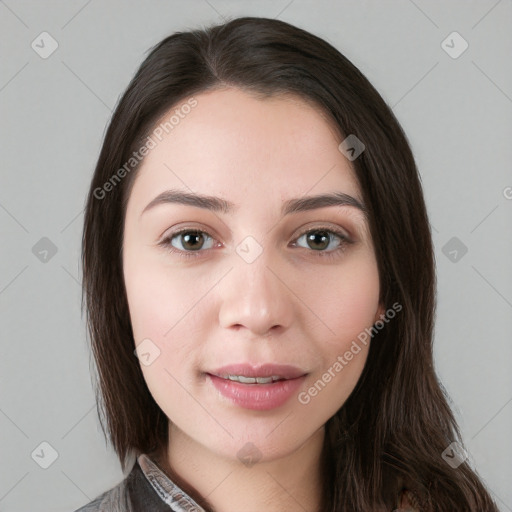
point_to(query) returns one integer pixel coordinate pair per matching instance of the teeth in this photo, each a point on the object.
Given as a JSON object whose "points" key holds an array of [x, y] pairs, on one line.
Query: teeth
{"points": [[252, 380]]}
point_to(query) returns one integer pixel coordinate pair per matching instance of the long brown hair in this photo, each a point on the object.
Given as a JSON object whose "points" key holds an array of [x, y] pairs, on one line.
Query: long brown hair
{"points": [[396, 424]]}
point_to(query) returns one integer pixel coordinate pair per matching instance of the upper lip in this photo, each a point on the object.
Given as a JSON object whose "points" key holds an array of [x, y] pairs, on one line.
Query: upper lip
{"points": [[284, 371]]}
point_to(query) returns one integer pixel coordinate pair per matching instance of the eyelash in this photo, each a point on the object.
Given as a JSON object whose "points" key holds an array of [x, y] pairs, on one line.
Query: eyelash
{"points": [[332, 254]]}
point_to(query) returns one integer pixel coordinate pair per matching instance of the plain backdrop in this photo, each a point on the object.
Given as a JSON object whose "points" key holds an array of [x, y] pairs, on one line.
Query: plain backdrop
{"points": [[456, 109]]}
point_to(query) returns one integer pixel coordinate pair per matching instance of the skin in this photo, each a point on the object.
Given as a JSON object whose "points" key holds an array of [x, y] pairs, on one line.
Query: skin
{"points": [[290, 305]]}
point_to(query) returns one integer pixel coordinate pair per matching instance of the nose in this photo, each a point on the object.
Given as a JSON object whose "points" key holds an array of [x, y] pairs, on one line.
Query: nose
{"points": [[254, 297]]}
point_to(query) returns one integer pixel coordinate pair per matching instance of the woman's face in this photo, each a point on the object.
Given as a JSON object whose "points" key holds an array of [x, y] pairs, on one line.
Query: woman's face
{"points": [[263, 282]]}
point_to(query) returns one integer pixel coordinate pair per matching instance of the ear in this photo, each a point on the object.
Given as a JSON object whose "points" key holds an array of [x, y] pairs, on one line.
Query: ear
{"points": [[380, 311]]}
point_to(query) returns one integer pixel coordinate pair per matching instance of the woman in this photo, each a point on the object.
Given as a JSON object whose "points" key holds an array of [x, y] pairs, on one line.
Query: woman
{"points": [[260, 287]]}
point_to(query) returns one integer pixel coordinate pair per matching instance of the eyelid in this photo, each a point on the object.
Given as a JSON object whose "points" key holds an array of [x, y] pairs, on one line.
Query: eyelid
{"points": [[323, 226], [180, 228]]}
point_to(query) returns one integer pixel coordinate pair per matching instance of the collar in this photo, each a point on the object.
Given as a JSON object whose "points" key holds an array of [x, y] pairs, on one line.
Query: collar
{"points": [[167, 490]]}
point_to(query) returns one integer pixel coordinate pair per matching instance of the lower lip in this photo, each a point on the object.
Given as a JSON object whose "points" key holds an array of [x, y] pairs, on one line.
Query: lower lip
{"points": [[258, 397]]}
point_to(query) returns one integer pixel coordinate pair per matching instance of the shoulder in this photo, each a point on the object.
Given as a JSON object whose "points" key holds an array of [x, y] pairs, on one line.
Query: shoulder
{"points": [[113, 500]]}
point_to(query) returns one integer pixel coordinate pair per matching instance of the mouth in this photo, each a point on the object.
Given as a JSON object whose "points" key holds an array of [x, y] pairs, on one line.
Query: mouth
{"points": [[262, 387], [251, 380]]}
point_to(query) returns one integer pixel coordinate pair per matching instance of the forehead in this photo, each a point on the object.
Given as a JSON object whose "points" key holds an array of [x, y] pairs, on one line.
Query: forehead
{"points": [[234, 144]]}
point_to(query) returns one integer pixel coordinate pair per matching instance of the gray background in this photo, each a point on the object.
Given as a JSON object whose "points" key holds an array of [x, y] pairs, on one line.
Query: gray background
{"points": [[455, 111]]}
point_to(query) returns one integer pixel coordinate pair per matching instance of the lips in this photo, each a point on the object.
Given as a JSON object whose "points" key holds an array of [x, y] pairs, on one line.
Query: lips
{"points": [[281, 371], [260, 387]]}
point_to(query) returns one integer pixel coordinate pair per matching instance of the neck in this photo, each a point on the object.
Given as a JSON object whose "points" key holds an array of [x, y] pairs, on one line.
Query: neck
{"points": [[219, 484]]}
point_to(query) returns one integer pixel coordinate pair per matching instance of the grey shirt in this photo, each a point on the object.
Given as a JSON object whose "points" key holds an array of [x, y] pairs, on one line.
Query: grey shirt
{"points": [[146, 488]]}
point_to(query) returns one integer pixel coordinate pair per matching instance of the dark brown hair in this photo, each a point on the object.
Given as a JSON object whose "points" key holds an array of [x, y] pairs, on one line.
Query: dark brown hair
{"points": [[395, 425]]}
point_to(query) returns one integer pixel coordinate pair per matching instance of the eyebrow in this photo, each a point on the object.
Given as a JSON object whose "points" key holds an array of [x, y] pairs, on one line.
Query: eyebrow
{"points": [[217, 204]]}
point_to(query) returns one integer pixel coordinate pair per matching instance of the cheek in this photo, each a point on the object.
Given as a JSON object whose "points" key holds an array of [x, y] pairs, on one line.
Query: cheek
{"points": [[172, 309], [348, 306], [350, 302], [159, 300], [162, 310]]}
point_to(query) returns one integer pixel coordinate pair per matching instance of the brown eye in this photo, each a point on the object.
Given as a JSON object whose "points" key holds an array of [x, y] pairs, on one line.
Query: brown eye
{"points": [[189, 240], [321, 239], [326, 243], [192, 240], [318, 240]]}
